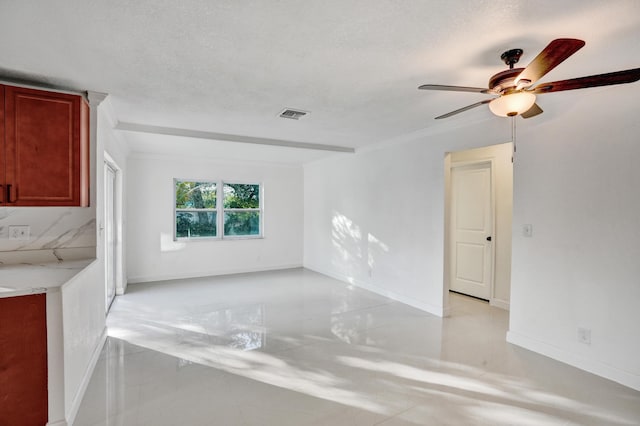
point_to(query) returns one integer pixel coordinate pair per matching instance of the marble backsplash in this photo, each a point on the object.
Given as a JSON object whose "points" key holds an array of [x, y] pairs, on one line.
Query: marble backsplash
{"points": [[56, 233]]}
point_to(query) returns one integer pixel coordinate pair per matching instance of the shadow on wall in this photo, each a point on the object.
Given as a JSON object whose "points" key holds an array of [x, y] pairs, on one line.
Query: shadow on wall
{"points": [[351, 249]]}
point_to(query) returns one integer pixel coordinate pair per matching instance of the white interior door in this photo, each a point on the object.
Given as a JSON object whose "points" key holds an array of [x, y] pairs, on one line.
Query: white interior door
{"points": [[110, 233], [471, 256]]}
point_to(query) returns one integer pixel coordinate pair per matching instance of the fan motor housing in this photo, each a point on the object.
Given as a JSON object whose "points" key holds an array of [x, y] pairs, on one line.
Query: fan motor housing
{"points": [[504, 80]]}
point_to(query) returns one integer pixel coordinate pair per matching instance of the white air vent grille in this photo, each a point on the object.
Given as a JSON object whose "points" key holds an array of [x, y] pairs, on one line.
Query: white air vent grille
{"points": [[293, 114]]}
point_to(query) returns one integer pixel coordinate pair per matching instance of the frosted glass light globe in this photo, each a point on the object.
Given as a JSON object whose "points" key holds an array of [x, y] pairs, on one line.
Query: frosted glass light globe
{"points": [[512, 104]]}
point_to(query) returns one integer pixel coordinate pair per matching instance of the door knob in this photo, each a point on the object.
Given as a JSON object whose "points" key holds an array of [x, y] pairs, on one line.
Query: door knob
{"points": [[489, 238]]}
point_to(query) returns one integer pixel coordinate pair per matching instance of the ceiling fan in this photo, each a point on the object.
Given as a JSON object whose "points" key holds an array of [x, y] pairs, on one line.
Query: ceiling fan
{"points": [[514, 87]]}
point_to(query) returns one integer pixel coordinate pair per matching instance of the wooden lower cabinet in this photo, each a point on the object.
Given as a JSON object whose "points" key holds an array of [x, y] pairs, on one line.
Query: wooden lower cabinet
{"points": [[23, 361]]}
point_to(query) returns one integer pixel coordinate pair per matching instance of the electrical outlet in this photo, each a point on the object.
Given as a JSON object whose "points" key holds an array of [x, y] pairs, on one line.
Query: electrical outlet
{"points": [[19, 232], [527, 230], [584, 335]]}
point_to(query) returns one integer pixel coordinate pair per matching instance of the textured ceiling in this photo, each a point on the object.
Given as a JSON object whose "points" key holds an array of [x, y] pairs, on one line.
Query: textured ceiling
{"points": [[231, 66]]}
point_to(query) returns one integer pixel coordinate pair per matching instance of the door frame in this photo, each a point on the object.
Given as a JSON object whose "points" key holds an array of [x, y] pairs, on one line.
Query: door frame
{"points": [[448, 232], [118, 220]]}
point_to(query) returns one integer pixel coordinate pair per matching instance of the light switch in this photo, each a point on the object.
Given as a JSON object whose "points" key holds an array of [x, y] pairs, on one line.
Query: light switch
{"points": [[527, 230]]}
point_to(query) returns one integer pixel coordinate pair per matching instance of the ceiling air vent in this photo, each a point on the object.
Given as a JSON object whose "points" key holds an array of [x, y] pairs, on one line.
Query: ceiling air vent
{"points": [[293, 113]]}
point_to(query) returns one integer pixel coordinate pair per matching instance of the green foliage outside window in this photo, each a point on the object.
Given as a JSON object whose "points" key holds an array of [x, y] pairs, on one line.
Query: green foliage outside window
{"points": [[196, 224], [192, 220], [241, 196], [241, 223], [195, 195]]}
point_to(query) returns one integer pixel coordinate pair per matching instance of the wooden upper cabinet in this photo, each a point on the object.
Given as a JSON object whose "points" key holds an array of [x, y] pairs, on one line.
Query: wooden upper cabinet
{"points": [[46, 148], [3, 155]]}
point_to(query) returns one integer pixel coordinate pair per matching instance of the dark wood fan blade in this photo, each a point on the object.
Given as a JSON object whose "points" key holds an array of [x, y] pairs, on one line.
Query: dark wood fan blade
{"points": [[550, 57], [618, 77], [453, 88], [532, 112], [468, 107]]}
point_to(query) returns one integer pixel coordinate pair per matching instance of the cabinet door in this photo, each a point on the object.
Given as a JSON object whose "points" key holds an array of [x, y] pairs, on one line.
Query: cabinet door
{"points": [[46, 146], [23, 361]]}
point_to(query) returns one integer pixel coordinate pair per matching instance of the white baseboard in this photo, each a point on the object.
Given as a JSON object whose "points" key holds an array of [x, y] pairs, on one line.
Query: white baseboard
{"points": [[86, 378], [201, 274], [446, 312], [427, 307], [592, 366], [58, 423], [502, 304]]}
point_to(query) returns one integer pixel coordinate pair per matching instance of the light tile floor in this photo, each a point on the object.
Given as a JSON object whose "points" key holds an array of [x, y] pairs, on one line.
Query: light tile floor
{"points": [[298, 348]]}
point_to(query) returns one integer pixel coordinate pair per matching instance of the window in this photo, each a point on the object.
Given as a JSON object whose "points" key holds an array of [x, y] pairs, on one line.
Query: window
{"points": [[202, 211], [241, 209], [196, 209]]}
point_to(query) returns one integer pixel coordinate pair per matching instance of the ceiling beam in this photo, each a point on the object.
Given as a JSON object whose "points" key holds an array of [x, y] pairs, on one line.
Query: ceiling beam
{"points": [[199, 134]]}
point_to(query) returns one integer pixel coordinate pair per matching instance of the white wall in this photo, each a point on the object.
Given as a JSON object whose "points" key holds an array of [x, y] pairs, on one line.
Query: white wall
{"points": [[503, 205], [376, 218], [152, 254], [83, 320], [577, 181]]}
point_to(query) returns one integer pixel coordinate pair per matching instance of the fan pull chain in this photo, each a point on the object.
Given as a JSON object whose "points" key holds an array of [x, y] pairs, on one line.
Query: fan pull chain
{"points": [[513, 136]]}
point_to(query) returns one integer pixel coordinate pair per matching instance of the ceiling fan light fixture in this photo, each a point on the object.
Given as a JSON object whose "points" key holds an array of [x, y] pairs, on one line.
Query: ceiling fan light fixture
{"points": [[512, 104]]}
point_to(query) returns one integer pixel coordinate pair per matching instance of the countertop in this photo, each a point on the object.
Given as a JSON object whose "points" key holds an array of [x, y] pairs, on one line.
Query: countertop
{"points": [[32, 278]]}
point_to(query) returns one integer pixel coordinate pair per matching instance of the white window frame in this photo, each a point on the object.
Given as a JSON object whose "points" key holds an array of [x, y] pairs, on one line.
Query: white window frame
{"points": [[220, 210]]}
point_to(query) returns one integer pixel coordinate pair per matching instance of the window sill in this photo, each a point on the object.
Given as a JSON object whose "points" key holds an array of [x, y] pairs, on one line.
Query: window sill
{"points": [[185, 239]]}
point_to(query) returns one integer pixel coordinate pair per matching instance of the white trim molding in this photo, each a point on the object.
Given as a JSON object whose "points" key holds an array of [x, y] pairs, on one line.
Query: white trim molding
{"points": [[592, 366], [426, 307], [203, 274]]}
